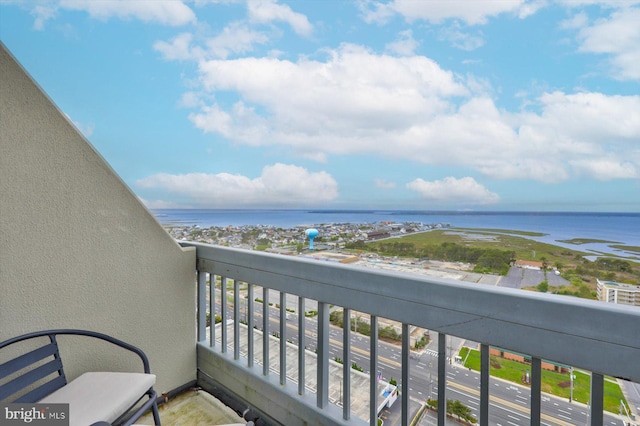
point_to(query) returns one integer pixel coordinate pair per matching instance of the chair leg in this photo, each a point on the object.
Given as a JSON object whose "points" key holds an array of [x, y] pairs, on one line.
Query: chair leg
{"points": [[156, 414]]}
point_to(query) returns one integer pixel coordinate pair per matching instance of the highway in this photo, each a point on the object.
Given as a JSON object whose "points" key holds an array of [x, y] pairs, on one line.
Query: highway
{"points": [[509, 402]]}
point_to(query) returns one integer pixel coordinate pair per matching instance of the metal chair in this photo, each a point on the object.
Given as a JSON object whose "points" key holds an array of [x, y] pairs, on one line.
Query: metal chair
{"points": [[38, 376]]}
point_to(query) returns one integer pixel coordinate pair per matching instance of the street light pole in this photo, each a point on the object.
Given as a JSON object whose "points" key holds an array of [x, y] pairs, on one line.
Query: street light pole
{"points": [[571, 384], [430, 382]]}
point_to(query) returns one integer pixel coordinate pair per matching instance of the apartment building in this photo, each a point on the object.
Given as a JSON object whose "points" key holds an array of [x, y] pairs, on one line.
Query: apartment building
{"points": [[613, 292]]}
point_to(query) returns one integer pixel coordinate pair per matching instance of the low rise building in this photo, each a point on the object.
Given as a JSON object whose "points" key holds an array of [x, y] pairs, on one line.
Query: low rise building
{"points": [[529, 264]]}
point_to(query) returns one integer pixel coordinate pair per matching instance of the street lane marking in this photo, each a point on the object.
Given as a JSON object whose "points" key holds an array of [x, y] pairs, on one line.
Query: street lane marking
{"points": [[338, 343], [510, 404]]}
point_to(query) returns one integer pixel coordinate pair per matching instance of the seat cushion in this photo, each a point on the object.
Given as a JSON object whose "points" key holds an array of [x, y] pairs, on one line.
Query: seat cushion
{"points": [[99, 396]]}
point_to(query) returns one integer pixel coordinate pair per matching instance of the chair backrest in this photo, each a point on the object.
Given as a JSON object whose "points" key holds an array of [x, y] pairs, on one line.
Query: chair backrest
{"points": [[39, 372]]}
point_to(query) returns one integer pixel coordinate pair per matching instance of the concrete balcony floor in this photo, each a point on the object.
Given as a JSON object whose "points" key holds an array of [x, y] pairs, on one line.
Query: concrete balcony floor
{"points": [[194, 408]]}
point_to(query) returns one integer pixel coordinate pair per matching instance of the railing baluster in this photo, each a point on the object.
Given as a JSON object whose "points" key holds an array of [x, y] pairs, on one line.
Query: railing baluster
{"points": [[373, 373], [265, 331], [250, 350], [202, 306], [236, 319], [484, 384], [442, 378], [346, 364], [536, 388], [406, 341], [322, 391], [223, 311], [283, 337], [301, 345], [212, 310], [597, 399]]}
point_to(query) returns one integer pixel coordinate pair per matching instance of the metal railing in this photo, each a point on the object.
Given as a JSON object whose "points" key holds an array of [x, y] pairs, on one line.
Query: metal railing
{"points": [[595, 336]]}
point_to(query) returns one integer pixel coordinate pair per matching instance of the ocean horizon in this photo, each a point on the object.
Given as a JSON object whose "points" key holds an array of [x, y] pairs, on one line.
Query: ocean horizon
{"points": [[621, 228]]}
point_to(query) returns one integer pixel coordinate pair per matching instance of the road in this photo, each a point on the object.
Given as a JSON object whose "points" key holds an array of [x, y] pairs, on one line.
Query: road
{"points": [[509, 403]]}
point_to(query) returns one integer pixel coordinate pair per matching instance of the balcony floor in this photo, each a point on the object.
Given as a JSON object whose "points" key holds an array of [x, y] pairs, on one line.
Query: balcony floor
{"points": [[194, 408]]}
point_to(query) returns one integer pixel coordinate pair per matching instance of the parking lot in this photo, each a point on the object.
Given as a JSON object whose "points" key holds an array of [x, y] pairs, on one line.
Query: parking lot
{"points": [[523, 277]]}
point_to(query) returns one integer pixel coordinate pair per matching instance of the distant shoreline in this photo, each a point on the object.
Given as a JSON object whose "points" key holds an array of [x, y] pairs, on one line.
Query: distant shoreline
{"points": [[607, 248], [549, 227]]}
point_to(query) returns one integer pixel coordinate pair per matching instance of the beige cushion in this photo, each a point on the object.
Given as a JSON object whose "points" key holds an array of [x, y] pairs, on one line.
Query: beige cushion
{"points": [[95, 396]]}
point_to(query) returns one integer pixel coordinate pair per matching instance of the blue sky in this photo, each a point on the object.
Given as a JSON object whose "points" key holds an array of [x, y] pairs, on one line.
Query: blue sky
{"points": [[406, 104]]}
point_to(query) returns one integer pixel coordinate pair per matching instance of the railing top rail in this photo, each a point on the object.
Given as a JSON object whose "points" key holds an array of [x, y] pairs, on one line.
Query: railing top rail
{"points": [[596, 336]]}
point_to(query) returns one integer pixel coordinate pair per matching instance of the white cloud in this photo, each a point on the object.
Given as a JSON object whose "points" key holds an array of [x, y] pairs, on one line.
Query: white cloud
{"points": [[241, 124], [607, 168], [85, 129], [190, 100], [235, 38], [460, 39], [354, 94], [171, 13], [577, 21], [383, 184], [375, 12], [601, 3], [577, 132], [619, 37], [409, 108], [179, 48], [279, 185], [451, 190], [266, 11], [199, 3], [43, 12], [531, 7], [471, 12], [404, 46], [160, 204]]}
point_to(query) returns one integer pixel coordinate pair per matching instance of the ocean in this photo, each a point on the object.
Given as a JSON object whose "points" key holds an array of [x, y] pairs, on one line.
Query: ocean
{"points": [[621, 228]]}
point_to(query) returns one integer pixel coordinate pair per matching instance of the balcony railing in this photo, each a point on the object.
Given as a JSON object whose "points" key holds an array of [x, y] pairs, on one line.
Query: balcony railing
{"points": [[594, 336]]}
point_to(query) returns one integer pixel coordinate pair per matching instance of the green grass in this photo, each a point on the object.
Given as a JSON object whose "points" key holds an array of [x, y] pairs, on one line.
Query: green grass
{"points": [[635, 249], [502, 231], [552, 382], [525, 249], [585, 241]]}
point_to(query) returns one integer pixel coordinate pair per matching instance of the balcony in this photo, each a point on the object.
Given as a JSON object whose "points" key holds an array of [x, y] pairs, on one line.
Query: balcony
{"points": [[291, 386], [79, 250]]}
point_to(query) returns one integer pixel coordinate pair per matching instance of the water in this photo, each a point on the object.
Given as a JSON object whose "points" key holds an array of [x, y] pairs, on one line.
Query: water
{"points": [[621, 228]]}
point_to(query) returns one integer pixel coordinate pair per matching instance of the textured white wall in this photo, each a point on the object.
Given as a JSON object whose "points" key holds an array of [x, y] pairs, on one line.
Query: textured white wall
{"points": [[79, 250]]}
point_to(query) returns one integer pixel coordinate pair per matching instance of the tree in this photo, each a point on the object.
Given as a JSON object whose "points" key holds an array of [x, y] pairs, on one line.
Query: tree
{"points": [[460, 410], [543, 287]]}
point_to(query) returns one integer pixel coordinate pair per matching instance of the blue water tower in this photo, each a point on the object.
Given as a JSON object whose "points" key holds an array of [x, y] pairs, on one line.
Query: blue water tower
{"points": [[311, 233]]}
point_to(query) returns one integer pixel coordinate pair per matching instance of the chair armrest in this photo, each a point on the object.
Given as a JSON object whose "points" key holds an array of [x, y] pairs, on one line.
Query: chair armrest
{"points": [[74, 332]]}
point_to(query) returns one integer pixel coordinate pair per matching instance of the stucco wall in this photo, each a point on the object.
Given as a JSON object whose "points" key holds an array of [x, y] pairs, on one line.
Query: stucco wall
{"points": [[79, 250]]}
